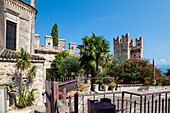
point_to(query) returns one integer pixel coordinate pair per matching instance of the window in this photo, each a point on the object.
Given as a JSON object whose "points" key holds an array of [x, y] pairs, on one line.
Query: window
{"points": [[10, 35], [48, 43]]}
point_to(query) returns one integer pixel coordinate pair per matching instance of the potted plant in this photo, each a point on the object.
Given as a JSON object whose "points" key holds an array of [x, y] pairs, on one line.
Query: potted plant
{"points": [[87, 87], [96, 87], [99, 82], [112, 86], [105, 87], [116, 80]]}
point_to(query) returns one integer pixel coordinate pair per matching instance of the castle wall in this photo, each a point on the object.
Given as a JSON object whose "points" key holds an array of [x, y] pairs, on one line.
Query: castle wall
{"points": [[125, 48], [48, 48]]}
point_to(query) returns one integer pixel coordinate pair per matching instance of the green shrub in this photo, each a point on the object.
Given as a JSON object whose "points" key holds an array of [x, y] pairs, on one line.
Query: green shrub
{"points": [[138, 71], [26, 98], [31, 96], [11, 88], [23, 101]]}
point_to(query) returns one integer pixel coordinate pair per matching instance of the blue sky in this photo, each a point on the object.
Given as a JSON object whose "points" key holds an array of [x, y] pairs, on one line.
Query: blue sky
{"points": [[110, 18]]}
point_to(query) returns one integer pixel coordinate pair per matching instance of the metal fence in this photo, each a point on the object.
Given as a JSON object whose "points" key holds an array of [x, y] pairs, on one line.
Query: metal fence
{"points": [[126, 102]]}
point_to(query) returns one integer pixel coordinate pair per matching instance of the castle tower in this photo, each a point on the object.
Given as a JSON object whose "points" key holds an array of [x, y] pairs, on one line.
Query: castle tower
{"points": [[32, 3], [72, 46], [124, 47], [121, 46], [49, 41]]}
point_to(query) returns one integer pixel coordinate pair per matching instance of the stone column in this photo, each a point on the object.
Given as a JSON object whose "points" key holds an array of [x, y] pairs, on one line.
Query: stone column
{"points": [[2, 27]]}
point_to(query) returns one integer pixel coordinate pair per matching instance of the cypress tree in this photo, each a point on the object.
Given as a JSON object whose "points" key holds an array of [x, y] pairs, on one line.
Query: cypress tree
{"points": [[54, 34]]}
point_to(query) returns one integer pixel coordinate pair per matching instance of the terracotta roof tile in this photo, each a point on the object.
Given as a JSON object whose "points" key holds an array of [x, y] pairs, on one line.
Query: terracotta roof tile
{"points": [[45, 51], [10, 54]]}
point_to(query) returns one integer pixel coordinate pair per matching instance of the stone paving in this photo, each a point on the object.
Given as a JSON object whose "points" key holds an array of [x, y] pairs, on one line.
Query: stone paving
{"points": [[83, 102]]}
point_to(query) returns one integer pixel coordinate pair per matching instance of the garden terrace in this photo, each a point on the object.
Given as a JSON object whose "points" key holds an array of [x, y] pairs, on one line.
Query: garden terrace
{"points": [[137, 101]]}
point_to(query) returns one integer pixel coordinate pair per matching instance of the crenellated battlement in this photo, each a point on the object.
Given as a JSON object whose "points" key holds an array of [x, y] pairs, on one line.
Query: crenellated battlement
{"points": [[125, 47], [49, 45]]}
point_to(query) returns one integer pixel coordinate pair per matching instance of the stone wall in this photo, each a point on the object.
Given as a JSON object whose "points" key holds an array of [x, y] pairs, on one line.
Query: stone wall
{"points": [[8, 74], [49, 58], [2, 25]]}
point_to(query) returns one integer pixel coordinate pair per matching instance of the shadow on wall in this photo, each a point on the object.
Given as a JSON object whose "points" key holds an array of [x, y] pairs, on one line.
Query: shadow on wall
{"points": [[143, 88], [27, 81]]}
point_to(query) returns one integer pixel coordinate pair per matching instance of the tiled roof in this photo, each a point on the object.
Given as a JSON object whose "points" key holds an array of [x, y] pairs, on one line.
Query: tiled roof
{"points": [[10, 54], [45, 51]]}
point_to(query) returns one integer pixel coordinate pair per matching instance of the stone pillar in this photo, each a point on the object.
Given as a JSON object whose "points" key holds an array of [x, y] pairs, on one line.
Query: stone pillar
{"points": [[141, 47], [36, 41], [61, 44], [2, 26], [128, 45], [72, 46], [49, 41]]}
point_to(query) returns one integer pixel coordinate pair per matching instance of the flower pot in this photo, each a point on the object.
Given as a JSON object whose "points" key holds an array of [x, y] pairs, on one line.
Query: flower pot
{"points": [[105, 88], [112, 88], [88, 89], [96, 87]]}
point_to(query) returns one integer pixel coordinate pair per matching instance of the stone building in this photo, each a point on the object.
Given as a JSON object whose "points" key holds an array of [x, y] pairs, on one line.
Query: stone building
{"points": [[18, 24], [125, 47], [17, 30]]}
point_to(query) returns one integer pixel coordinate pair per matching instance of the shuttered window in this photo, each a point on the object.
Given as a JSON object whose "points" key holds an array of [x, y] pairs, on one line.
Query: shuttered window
{"points": [[10, 35]]}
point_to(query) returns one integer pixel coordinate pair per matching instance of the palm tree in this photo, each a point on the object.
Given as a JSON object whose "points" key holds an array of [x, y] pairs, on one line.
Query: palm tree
{"points": [[22, 63], [32, 72], [94, 51]]}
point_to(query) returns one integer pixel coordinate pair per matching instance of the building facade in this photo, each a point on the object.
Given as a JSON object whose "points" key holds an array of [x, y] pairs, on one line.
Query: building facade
{"points": [[17, 30], [126, 48], [18, 25]]}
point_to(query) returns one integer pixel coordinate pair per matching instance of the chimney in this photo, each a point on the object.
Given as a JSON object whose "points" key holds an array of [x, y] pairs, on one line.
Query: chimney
{"points": [[32, 3]]}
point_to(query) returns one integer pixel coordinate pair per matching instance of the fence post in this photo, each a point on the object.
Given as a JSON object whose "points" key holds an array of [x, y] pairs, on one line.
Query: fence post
{"points": [[141, 104], [57, 94], [123, 94], [64, 96], [54, 101], [47, 90], [76, 102], [70, 107]]}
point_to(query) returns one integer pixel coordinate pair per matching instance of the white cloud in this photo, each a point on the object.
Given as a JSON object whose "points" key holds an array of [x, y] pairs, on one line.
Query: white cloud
{"points": [[163, 62]]}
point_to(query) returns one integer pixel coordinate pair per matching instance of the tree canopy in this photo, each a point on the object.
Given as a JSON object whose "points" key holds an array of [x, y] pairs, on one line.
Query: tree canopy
{"points": [[54, 34], [168, 73], [57, 62], [70, 65], [94, 52], [22, 63]]}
